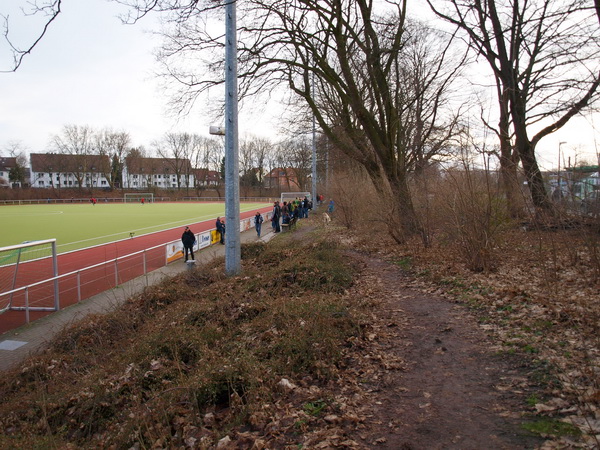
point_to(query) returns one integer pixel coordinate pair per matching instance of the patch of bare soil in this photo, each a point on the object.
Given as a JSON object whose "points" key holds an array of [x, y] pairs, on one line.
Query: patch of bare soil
{"points": [[429, 379]]}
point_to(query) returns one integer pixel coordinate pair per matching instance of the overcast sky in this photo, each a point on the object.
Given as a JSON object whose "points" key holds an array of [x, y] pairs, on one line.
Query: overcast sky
{"points": [[92, 70]]}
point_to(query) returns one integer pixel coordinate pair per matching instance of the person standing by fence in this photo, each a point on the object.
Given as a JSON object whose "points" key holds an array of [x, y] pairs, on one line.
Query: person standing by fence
{"points": [[276, 217], [258, 220], [188, 240]]}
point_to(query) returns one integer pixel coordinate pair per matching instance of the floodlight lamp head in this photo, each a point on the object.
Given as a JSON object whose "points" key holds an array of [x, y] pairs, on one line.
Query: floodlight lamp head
{"points": [[219, 131]]}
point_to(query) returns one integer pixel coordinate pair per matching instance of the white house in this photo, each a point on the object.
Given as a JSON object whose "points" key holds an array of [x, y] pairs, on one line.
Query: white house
{"points": [[51, 170], [6, 163], [164, 173]]}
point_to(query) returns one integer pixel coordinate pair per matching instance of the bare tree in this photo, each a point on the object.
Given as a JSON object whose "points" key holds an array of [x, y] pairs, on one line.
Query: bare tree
{"points": [[248, 179], [545, 57], [177, 149], [297, 156], [205, 154], [341, 57], [262, 148], [114, 146], [48, 9], [18, 172], [77, 142]]}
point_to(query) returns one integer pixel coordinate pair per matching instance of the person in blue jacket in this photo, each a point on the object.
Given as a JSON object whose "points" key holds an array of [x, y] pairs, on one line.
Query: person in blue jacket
{"points": [[220, 225], [331, 206]]}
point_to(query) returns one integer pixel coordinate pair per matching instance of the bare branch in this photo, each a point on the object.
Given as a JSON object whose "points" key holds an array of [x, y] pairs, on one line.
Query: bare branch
{"points": [[52, 10]]}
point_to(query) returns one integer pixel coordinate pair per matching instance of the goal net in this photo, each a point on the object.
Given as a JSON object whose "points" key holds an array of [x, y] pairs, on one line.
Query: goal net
{"points": [[291, 196], [28, 264], [141, 197]]}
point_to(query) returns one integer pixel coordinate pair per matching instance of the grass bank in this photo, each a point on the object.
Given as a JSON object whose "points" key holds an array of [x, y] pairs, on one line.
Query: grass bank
{"points": [[188, 360]]}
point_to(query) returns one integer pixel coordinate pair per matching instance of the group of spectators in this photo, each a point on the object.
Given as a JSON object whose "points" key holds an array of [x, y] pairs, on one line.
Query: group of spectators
{"points": [[289, 211], [282, 214]]}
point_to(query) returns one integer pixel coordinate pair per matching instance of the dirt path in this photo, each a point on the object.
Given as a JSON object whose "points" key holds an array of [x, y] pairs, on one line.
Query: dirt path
{"points": [[430, 379]]}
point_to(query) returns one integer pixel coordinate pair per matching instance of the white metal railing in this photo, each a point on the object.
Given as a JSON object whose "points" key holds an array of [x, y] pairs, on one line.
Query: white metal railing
{"points": [[63, 201], [112, 273], [119, 278]]}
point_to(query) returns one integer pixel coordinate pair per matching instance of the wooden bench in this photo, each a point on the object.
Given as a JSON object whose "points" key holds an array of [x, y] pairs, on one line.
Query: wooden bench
{"points": [[289, 226]]}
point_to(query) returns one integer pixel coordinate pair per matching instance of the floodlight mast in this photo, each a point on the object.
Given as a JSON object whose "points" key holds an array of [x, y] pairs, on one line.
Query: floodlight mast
{"points": [[314, 152], [232, 180]]}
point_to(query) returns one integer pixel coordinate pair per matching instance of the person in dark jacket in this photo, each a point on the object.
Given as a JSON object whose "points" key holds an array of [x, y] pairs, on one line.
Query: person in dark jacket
{"points": [[276, 217], [220, 225], [188, 240], [305, 207], [258, 220]]}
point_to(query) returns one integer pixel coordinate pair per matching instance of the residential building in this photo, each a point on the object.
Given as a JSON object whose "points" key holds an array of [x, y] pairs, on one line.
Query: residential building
{"points": [[52, 170], [283, 178], [164, 173], [206, 178], [6, 163]]}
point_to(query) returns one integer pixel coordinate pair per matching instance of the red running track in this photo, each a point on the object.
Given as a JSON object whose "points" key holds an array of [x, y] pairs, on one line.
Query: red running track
{"points": [[90, 282]]}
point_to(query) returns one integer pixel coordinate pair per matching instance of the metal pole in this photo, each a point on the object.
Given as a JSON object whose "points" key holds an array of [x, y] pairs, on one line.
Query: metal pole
{"points": [[55, 264], [232, 182], [559, 176], [78, 286], [327, 175], [145, 268], [27, 304], [314, 152]]}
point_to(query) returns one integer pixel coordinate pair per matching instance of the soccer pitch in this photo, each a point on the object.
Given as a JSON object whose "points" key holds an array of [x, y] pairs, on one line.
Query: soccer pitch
{"points": [[85, 225]]}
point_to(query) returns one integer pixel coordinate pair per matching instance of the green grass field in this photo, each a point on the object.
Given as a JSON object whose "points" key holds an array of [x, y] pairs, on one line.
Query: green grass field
{"points": [[84, 225]]}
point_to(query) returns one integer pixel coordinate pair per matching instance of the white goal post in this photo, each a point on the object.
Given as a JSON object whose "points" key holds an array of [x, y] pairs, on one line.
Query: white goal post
{"points": [[26, 264], [137, 197]]}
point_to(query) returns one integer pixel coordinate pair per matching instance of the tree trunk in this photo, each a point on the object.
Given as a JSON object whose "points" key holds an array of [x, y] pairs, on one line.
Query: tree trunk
{"points": [[526, 151], [510, 182], [400, 217], [509, 161], [539, 196]]}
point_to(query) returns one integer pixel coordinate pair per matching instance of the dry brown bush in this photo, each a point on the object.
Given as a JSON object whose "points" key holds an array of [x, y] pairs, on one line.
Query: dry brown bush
{"points": [[357, 203]]}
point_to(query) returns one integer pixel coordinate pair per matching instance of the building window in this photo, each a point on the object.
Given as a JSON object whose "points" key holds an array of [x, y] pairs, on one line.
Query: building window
{"points": [[41, 183]]}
